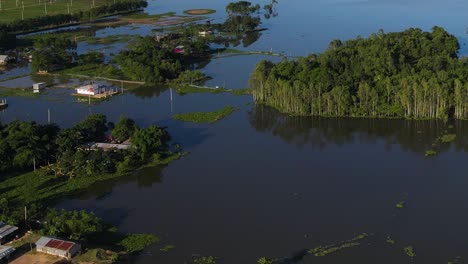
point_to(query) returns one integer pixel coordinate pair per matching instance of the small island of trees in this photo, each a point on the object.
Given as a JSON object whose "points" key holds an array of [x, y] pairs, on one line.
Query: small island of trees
{"points": [[410, 74]]}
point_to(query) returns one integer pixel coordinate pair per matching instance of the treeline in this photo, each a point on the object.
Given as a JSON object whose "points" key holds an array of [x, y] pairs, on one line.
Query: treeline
{"points": [[8, 30], [411, 74], [154, 61], [66, 153]]}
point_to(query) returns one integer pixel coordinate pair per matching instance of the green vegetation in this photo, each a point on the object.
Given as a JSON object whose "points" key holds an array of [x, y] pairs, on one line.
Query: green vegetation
{"points": [[400, 205], [409, 251], [167, 248], [97, 255], [110, 39], [447, 138], [146, 15], [204, 260], [66, 164], [264, 260], [390, 240], [13, 11], [170, 57], [36, 17], [124, 129], [440, 141], [17, 91], [74, 225], [411, 74], [185, 89], [329, 249], [135, 243], [51, 53], [205, 117]]}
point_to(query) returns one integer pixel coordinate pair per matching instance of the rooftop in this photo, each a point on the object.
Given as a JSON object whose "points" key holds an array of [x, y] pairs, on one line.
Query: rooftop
{"points": [[55, 243], [5, 230], [6, 251], [107, 146]]}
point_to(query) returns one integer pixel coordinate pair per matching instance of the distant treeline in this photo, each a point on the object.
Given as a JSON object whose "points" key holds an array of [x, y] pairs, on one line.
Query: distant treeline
{"points": [[411, 74], [8, 30]]}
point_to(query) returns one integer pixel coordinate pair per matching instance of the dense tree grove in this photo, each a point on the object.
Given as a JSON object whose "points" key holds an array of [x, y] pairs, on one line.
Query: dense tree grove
{"points": [[65, 153], [75, 225], [51, 53], [24, 143], [150, 61], [411, 74]]}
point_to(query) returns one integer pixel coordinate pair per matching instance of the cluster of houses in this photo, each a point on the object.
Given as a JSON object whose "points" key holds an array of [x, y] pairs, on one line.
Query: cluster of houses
{"points": [[179, 49], [48, 245], [14, 57]]}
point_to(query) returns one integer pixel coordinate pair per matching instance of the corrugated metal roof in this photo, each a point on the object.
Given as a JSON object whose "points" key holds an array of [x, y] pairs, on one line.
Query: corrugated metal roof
{"points": [[55, 243], [6, 251], [5, 230], [43, 241], [3, 57]]}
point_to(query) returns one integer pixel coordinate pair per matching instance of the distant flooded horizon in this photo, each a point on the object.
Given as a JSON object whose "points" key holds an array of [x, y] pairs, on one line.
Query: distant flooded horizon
{"points": [[264, 184]]}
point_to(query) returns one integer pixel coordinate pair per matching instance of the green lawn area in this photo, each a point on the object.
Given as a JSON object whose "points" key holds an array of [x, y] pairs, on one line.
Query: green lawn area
{"points": [[33, 8], [205, 117], [36, 187]]}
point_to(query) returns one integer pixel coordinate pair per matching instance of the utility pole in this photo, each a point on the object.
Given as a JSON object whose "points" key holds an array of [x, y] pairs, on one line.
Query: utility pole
{"points": [[121, 86], [68, 7], [170, 90], [48, 116], [16, 3], [22, 15], [23, 4], [25, 218], [34, 162], [45, 8]]}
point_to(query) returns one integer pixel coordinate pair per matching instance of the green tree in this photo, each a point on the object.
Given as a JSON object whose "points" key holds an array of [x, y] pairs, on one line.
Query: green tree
{"points": [[124, 129], [150, 141], [75, 225]]}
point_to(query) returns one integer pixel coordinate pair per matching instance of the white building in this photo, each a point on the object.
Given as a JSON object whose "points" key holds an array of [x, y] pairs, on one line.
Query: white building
{"points": [[37, 87], [4, 59], [57, 247], [91, 89]]}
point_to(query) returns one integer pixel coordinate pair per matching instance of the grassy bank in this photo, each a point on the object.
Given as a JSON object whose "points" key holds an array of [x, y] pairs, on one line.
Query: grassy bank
{"points": [[40, 188], [13, 10], [186, 89], [205, 117], [25, 92]]}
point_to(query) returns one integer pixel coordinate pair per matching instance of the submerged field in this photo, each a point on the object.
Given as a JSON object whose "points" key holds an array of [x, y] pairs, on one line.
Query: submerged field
{"points": [[16, 10], [264, 185]]}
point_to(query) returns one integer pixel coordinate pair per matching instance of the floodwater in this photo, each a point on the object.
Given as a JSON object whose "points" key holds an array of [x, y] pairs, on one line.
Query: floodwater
{"points": [[260, 183]]}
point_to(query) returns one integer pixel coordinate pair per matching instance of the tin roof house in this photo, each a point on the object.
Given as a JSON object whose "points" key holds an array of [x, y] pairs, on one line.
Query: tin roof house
{"points": [[4, 59], [57, 247], [6, 232]]}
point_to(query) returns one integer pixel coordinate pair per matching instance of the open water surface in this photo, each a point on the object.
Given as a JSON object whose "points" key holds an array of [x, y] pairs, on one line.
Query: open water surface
{"points": [[260, 183]]}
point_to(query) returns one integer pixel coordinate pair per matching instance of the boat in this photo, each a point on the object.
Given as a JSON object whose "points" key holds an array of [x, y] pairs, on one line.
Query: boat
{"points": [[3, 104]]}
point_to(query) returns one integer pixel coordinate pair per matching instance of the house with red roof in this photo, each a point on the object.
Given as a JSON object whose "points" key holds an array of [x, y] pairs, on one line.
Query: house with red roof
{"points": [[57, 247]]}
